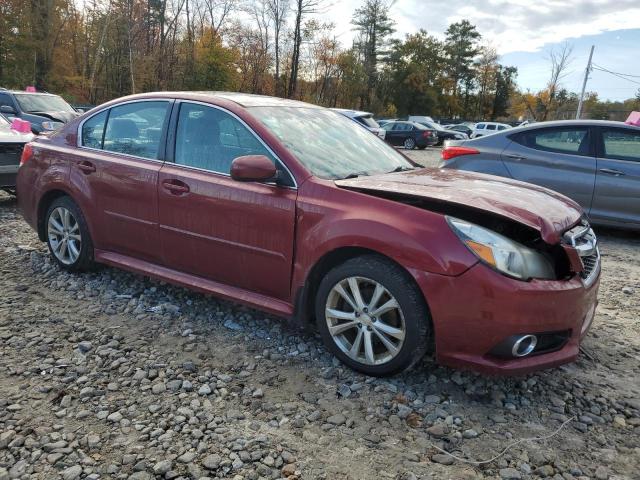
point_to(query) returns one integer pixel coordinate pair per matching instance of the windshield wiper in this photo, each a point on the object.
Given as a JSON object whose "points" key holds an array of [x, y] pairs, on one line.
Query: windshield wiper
{"points": [[402, 169]]}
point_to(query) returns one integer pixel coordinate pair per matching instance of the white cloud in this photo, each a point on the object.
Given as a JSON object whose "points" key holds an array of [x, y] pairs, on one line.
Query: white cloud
{"points": [[514, 25]]}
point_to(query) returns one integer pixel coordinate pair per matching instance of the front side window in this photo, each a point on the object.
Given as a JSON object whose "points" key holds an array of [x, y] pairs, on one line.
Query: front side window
{"points": [[93, 130], [136, 128], [328, 144], [572, 140], [621, 144], [210, 139]]}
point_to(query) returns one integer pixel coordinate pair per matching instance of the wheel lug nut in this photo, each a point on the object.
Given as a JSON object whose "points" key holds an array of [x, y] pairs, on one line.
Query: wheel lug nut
{"points": [[374, 319], [359, 325], [369, 328]]}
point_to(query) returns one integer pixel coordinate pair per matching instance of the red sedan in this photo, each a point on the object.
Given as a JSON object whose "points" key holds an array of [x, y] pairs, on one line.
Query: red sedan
{"points": [[298, 211]]}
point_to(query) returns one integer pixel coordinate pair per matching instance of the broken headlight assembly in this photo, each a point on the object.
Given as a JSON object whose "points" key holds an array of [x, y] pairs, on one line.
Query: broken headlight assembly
{"points": [[501, 253]]}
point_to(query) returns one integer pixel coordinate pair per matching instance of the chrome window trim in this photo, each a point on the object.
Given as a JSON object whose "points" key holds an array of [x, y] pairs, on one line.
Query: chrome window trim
{"points": [[81, 124], [222, 109]]}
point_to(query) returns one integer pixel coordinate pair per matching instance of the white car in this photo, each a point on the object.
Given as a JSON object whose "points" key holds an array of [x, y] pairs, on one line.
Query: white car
{"points": [[487, 128], [11, 144], [363, 118], [420, 119]]}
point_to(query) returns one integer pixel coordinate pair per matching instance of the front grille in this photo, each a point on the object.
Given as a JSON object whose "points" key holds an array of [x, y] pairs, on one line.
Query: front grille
{"points": [[10, 154], [583, 239]]}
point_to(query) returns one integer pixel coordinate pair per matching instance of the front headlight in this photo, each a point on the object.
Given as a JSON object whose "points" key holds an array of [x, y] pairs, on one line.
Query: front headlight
{"points": [[507, 256], [50, 126]]}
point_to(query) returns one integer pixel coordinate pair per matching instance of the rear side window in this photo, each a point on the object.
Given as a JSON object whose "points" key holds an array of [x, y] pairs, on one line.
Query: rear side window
{"points": [[621, 144], [93, 130], [501, 127], [136, 129], [570, 140]]}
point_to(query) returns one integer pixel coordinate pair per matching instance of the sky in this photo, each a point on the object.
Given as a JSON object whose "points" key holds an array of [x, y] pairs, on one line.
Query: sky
{"points": [[524, 31]]}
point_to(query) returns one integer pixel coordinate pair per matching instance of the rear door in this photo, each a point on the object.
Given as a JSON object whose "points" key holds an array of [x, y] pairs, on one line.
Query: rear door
{"points": [[236, 233], [393, 133], [617, 193], [117, 171], [559, 158]]}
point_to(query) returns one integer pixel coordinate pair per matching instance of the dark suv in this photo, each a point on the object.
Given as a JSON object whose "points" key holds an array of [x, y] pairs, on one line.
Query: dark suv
{"points": [[45, 111]]}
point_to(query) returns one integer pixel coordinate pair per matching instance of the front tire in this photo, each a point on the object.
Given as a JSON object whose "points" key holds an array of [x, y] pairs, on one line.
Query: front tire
{"points": [[372, 317], [68, 236], [409, 143]]}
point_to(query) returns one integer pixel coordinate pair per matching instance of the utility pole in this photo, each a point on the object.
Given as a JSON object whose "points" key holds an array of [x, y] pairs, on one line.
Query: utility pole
{"points": [[584, 83]]}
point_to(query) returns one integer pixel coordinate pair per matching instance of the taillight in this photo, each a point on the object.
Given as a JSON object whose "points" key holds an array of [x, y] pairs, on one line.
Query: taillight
{"points": [[426, 134], [27, 153], [452, 152]]}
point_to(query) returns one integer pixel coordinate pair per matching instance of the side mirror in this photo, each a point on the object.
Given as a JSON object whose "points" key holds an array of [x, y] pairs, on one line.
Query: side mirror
{"points": [[7, 109], [253, 168]]}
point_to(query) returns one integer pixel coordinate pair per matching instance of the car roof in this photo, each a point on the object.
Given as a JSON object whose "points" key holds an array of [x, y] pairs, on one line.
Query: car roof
{"points": [[22, 92], [573, 123], [242, 99], [354, 113]]}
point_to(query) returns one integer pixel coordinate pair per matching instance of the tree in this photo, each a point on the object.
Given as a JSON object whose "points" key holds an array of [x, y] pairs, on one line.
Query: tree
{"points": [[302, 9], [461, 47], [278, 10], [505, 86], [374, 26]]}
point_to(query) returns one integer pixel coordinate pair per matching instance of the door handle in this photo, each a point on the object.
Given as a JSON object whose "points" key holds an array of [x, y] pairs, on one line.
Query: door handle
{"points": [[515, 157], [611, 171], [86, 167], [176, 187]]}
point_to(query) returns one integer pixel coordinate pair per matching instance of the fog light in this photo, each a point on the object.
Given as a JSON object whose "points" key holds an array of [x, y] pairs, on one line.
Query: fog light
{"points": [[524, 345]]}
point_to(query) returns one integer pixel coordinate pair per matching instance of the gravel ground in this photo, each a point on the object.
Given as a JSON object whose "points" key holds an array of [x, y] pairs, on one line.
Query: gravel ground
{"points": [[429, 157], [112, 375]]}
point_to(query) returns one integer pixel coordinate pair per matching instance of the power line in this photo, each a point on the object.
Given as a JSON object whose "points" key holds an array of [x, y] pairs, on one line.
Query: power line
{"points": [[615, 73]]}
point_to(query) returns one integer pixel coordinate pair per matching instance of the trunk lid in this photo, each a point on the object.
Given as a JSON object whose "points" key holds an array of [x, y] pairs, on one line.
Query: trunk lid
{"points": [[544, 210]]}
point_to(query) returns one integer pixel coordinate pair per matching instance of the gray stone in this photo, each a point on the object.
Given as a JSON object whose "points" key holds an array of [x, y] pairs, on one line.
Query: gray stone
{"points": [[72, 473], [442, 459], [212, 462], [510, 474]]}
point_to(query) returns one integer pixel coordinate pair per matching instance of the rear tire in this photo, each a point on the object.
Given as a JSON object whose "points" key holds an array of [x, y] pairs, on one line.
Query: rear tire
{"points": [[409, 143], [372, 316], [68, 236]]}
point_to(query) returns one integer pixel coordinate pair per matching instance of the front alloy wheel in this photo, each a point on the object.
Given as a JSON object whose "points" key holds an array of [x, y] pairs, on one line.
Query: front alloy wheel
{"points": [[365, 320], [372, 316]]}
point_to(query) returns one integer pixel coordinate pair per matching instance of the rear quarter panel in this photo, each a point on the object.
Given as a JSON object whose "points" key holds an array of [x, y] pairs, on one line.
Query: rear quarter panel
{"points": [[489, 160]]}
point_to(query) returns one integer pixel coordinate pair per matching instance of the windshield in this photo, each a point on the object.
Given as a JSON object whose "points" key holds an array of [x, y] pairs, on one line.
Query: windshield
{"points": [[328, 144], [42, 103]]}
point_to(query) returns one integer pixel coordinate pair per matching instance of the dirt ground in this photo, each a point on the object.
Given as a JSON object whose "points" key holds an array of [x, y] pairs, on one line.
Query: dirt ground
{"points": [[112, 375]]}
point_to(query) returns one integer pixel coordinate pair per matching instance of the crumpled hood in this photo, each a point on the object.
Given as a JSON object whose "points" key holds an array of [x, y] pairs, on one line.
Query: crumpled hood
{"points": [[56, 116], [544, 210]]}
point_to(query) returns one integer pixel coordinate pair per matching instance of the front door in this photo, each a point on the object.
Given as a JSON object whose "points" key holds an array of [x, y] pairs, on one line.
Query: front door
{"points": [[559, 158], [617, 193], [235, 233], [117, 167]]}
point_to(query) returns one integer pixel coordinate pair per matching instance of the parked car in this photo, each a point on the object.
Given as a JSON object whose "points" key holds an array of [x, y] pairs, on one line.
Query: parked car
{"points": [[305, 215], [365, 119], [383, 122], [443, 133], [459, 127], [487, 128], [419, 119], [596, 163], [410, 135], [46, 112], [11, 145]]}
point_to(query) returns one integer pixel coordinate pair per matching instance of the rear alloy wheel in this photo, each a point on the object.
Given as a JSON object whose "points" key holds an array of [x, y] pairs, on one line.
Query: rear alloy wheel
{"points": [[372, 317], [409, 144], [67, 235]]}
